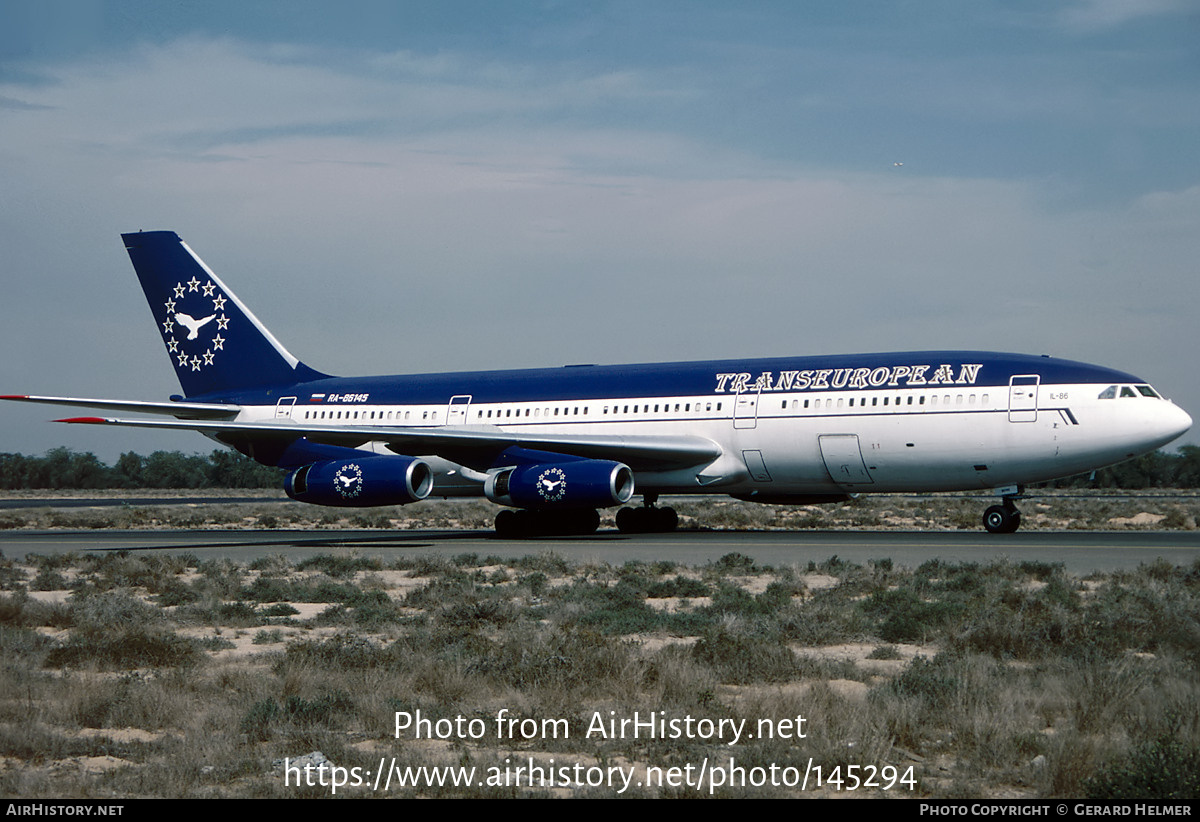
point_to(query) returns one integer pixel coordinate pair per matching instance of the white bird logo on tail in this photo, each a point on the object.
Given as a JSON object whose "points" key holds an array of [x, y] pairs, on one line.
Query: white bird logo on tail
{"points": [[193, 326]]}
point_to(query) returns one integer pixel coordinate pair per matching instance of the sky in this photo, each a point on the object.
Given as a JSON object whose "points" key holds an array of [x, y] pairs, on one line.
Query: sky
{"points": [[398, 187]]}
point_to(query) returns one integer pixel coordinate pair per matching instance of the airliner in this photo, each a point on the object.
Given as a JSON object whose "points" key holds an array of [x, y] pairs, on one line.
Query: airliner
{"points": [[555, 445]]}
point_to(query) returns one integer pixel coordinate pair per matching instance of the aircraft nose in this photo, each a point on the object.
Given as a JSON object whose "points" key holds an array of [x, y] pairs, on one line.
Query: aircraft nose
{"points": [[1176, 421]]}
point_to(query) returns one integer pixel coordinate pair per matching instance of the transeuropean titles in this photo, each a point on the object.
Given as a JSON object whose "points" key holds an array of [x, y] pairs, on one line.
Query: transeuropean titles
{"points": [[817, 379]]}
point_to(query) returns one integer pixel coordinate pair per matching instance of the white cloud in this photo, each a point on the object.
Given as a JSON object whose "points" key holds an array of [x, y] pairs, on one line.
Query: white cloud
{"points": [[1089, 16]]}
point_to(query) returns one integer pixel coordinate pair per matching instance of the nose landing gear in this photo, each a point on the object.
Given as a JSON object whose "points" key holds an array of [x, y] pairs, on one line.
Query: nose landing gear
{"points": [[1004, 518]]}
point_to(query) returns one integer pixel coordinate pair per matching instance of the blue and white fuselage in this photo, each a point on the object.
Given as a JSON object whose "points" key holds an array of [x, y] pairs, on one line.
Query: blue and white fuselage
{"points": [[788, 429], [928, 420]]}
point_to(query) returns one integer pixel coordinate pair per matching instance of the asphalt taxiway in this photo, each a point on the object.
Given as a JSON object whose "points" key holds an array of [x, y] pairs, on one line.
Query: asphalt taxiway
{"points": [[1081, 552]]}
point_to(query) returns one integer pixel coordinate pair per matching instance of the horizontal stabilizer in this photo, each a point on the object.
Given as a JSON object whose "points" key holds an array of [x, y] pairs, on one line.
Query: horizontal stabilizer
{"points": [[183, 410]]}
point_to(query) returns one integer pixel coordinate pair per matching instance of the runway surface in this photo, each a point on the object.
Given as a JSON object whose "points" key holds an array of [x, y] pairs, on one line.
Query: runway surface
{"points": [[1080, 551], [121, 502]]}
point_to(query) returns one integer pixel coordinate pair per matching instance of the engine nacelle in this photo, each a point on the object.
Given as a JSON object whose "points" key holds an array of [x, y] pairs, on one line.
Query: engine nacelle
{"points": [[573, 484], [361, 483]]}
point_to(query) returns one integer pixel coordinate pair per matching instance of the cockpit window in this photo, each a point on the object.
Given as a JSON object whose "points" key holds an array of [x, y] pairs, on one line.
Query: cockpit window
{"points": [[1147, 391], [1126, 391], [1108, 393]]}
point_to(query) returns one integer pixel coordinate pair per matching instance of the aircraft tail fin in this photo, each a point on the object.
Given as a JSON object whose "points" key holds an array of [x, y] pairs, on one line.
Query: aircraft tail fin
{"points": [[215, 342]]}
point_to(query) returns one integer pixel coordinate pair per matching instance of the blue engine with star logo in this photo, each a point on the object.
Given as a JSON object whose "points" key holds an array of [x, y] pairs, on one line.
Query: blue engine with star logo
{"points": [[580, 483], [361, 482]]}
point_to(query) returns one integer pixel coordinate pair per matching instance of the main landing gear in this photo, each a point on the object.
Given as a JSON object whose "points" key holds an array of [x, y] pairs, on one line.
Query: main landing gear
{"points": [[1004, 518], [649, 519], [520, 523], [524, 522]]}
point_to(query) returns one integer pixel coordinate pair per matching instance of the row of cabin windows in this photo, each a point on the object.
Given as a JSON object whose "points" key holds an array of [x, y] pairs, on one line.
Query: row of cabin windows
{"points": [[685, 407], [366, 415], [637, 408], [862, 401], [509, 413], [536, 412]]}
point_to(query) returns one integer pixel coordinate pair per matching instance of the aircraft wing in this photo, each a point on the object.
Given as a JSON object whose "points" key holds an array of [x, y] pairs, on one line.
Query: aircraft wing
{"points": [[476, 447], [184, 410]]}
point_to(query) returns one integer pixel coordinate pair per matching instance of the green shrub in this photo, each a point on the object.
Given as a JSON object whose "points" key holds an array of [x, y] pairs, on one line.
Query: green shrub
{"points": [[934, 681], [612, 609], [740, 659], [1164, 768], [125, 650], [735, 562], [681, 586], [339, 652]]}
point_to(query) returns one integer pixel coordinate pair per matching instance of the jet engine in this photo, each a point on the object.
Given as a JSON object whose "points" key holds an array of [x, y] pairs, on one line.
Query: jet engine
{"points": [[361, 483], [575, 484]]}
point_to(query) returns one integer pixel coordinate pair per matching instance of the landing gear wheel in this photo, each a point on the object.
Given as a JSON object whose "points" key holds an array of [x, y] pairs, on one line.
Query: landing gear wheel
{"points": [[1001, 519], [527, 523], [506, 524], [584, 522], [631, 521], [666, 520], [647, 520]]}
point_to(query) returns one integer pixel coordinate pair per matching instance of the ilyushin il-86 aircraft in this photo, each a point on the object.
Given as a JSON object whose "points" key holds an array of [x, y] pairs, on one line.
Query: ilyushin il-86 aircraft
{"points": [[554, 445]]}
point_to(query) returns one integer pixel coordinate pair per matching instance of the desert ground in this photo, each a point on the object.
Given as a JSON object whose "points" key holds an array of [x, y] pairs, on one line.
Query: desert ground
{"points": [[143, 675]]}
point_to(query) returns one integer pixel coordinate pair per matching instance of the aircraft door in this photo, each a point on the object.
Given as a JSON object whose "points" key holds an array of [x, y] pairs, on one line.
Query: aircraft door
{"points": [[283, 408], [456, 412], [745, 408], [1023, 398], [843, 459]]}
